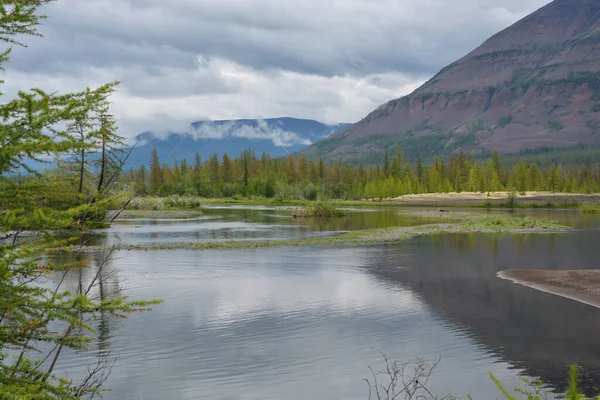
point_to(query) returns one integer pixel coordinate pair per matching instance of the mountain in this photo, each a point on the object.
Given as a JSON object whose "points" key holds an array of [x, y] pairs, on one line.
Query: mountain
{"points": [[277, 136], [535, 84]]}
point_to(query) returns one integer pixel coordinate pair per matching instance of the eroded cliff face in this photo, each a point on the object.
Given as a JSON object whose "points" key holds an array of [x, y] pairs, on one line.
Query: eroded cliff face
{"points": [[536, 83]]}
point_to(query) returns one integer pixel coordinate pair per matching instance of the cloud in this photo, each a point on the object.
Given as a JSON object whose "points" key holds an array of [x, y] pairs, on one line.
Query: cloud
{"points": [[186, 60], [263, 130]]}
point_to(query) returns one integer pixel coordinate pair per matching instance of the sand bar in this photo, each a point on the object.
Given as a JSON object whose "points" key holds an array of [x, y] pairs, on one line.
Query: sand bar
{"points": [[578, 285]]}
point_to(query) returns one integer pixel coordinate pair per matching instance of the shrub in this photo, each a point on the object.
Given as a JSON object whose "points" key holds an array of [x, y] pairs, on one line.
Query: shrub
{"points": [[512, 199]]}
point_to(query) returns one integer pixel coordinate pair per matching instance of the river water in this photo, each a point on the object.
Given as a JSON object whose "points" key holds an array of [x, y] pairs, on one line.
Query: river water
{"points": [[306, 323]]}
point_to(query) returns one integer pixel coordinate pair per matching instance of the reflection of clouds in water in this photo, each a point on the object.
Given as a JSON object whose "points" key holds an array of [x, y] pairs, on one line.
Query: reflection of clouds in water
{"points": [[322, 292], [255, 324], [231, 285]]}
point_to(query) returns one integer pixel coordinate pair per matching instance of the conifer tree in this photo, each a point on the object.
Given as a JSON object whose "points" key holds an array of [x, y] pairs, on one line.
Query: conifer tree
{"points": [[156, 177], [35, 316], [197, 175]]}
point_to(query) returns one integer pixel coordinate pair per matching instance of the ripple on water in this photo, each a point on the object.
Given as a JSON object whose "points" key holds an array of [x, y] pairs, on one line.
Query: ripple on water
{"points": [[309, 322]]}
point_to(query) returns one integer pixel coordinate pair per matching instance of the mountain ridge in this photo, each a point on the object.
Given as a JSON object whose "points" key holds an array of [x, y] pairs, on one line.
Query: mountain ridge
{"points": [[535, 83]]}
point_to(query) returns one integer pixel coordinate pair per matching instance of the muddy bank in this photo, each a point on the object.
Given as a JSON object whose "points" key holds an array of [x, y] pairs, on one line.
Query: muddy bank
{"points": [[578, 285]]}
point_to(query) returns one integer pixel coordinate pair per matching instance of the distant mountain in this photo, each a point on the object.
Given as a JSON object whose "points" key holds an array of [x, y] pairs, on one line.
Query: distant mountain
{"points": [[534, 84], [277, 136]]}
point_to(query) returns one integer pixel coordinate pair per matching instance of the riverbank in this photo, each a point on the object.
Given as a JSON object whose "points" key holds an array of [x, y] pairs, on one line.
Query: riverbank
{"points": [[498, 199], [152, 214], [578, 285], [462, 199], [455, 223]]}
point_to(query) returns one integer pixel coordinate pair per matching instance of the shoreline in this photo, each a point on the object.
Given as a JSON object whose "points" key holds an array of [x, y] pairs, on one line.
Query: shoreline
{"points": [[147, 214], [579, 285], [482, 225], [462, 199], [497, 199]]}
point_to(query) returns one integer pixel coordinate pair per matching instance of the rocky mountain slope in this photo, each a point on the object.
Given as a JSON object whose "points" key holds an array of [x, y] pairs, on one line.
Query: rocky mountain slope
{"points": [[536, 83]]}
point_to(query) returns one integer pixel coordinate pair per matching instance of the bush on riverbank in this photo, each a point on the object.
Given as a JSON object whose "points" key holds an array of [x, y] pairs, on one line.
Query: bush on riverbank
{"points": [[161, 203], [319, 209]]}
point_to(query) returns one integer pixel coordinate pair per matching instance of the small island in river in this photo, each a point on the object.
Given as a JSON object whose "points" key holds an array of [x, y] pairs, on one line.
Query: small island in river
{"points": [[578, 285]]}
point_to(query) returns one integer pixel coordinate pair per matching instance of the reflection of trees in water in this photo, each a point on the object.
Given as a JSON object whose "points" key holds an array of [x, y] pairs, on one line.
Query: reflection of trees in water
{"points": [[363, 220], [534, 331], [102, 280]]}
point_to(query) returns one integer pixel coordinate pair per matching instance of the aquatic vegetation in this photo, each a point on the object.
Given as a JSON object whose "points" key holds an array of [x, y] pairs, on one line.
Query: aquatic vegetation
{"points": [[462, 224], [505, 222], [319, 209], [590, 208]]}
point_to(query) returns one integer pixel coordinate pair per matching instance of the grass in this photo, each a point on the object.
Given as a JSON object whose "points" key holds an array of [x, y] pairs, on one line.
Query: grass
{"points": [[593, 208], [464, 224], [511, 223], [319, 209]]}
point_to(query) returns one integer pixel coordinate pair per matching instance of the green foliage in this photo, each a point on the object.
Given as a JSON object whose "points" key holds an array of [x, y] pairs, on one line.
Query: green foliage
{"points": [[590, 208], [295, 178], [511, 202], [535, 389], [503, 222], [65, 203]]}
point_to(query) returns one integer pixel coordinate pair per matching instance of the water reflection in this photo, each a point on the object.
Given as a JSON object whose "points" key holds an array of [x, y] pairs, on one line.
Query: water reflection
{"points": [[308, 322], [219, 224], [99, 279], [534, 331], [255, 324]]}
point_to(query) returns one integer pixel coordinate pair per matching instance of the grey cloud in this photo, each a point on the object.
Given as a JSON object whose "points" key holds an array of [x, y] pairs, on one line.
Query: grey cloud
{"points": [[186, 60], [324, 38]]}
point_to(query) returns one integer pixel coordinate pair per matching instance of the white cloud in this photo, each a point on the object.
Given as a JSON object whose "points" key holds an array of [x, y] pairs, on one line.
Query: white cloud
{"points": [[279, 137]]}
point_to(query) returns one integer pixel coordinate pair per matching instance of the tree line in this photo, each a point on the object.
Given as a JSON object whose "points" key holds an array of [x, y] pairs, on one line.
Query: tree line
{"points": [[296, 177]]}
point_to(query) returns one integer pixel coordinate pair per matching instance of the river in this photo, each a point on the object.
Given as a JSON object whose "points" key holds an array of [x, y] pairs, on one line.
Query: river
{"points": [[306, 323]]}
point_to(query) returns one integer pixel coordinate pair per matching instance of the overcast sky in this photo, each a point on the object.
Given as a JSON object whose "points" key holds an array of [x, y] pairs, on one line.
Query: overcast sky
{"points": [[186, 60]]}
